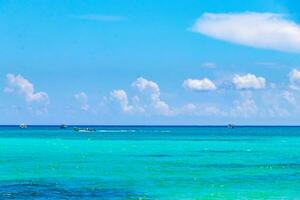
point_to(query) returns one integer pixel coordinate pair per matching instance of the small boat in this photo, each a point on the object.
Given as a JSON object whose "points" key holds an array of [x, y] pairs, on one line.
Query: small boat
{"points": [[230, 126], [63, 126], [85, 129], [23, 126]]}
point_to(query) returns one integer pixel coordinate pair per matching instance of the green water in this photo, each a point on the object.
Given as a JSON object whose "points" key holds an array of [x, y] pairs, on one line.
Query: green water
{"points": [[150, 163]]}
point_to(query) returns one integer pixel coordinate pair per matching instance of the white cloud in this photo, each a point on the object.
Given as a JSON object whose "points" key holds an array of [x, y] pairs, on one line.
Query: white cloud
{"points": [[82, 99], [249, 81], [294, 77], [260, 30], [160, 106], [276, 111], [37, 111], [246, 106], [275, 103], [17, 83], [121, 97], [289, 97], [212, 110], [199, 85], [99, 17], [189, 108], [209, 65], [144, 84], [201, 110]]}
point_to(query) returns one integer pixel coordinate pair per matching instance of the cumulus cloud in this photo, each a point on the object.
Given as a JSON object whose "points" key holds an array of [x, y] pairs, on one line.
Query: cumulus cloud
{"points": [[17, 83], [199, 85], [82, 99], [246, 106], [294, 77], [289, 97], [260, 30], [153, 89], [121, 97], [248, 81]]}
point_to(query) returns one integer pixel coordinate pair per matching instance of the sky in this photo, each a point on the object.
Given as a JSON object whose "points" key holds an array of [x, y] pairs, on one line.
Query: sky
{"points": [[147, 62]]}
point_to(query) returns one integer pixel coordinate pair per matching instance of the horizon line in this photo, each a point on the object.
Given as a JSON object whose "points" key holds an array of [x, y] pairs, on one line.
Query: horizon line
{"points": [[148, 125]]}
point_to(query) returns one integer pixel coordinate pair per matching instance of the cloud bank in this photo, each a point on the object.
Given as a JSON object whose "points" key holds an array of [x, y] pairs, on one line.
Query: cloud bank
{"points": [[260, 30]]}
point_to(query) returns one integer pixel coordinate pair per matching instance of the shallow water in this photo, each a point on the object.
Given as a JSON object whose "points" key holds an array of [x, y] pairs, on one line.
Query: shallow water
{"points": [[150, 163]]}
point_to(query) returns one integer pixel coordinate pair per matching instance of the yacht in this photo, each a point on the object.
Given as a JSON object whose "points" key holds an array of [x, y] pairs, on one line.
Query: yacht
{"points": [[230, 126], [23, 126], [63, 126]]}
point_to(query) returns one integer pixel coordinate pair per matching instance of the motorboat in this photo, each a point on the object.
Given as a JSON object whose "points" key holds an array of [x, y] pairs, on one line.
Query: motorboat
{"points": [[230, 126], [23, 126], [63, 126], [85, 129]]}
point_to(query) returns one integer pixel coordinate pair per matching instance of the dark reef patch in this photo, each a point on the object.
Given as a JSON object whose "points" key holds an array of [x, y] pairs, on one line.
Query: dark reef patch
{"points": [[47, 190]]}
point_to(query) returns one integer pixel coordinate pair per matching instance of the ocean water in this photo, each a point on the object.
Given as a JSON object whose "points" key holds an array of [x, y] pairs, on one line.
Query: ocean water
{"points": [[150, 163]]}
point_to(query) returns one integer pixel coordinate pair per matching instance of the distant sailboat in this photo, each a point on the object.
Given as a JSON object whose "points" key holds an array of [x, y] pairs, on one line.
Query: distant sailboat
{"points": [[63, 126], [230, 126], [23, 126]]}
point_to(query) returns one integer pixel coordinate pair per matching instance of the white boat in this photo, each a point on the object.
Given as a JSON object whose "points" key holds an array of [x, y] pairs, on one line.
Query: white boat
{"points": [[86, 130], [63, 126], [230, 126], [23, 126]]}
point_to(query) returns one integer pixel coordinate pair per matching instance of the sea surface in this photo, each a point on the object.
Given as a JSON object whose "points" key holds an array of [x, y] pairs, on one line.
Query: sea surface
{"points": [[150, 163]]}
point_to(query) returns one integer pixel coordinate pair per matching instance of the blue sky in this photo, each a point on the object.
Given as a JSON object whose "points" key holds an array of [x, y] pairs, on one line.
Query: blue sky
{"points": [[149, 62]]}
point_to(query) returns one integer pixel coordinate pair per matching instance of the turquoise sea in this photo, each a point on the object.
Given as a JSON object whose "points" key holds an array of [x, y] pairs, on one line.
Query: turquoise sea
{"points": [[150, 163]]}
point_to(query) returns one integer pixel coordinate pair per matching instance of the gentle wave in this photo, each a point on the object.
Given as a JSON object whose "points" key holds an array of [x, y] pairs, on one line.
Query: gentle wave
{"points": [[116, 131]]}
